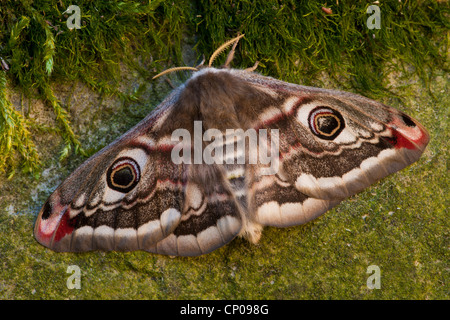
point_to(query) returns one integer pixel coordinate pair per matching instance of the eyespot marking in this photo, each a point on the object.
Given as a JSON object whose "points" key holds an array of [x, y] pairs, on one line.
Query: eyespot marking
{"points": [[123, 175], [326, 123]]}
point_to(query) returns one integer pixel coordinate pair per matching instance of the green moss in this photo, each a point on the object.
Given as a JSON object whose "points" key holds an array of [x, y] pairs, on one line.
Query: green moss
{"points": [[41, 50], [399, 224], [293, 40], [15, 137], [296, 40]]}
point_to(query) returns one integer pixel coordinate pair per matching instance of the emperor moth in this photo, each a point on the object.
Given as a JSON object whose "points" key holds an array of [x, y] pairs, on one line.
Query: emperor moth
{"points": [[132, 195]]}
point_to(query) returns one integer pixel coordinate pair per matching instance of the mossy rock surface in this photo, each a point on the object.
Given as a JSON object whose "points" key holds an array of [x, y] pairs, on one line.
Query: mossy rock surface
{"points": [[399, 224]]}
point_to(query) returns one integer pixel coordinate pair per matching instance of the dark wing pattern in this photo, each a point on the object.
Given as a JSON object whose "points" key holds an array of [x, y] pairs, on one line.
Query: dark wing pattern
{"points": [[282, 154], [332, 145], [132, 196]]}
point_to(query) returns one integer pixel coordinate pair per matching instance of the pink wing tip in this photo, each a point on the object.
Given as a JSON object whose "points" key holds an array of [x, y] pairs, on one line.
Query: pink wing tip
{"points": [[408, 133], [53, 222]]}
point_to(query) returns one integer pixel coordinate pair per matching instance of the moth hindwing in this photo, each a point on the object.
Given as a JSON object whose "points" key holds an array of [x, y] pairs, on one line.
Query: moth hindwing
{"points": [[227, 153]]}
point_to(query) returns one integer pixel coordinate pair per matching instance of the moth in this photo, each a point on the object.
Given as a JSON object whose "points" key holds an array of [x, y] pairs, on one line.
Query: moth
{"points": [[132, 195]]}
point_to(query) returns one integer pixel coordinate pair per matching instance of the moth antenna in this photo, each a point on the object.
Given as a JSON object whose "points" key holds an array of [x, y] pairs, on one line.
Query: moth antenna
{"points": [[223, 47], [230, 55], [174, 70], [201, 63], [251, 69]]}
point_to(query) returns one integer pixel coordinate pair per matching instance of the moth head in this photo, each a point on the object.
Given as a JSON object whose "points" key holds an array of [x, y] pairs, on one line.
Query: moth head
{"points": [[325, 122], [123, 175]]}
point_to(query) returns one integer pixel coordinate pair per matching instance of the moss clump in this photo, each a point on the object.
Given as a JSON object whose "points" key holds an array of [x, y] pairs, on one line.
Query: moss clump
{"points": [[40, 49], [293, 40], [297, 40], [15, 137]]}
